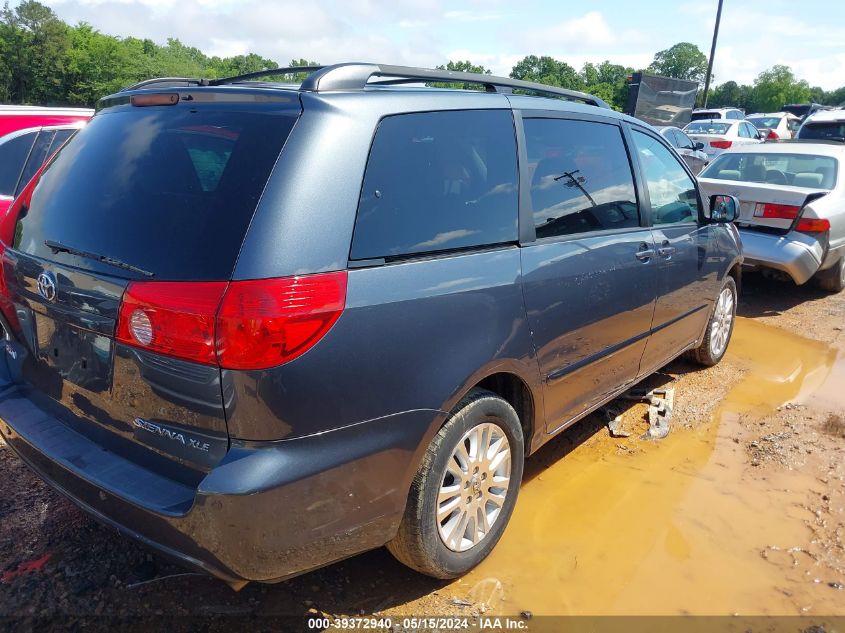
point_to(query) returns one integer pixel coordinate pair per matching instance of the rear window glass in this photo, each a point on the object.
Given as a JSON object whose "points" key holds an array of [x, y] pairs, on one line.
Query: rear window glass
{"points": [[438, 181], [170, 190], [701, 116], [833, 131], [797, 170], [764, 122], [707, 127]]}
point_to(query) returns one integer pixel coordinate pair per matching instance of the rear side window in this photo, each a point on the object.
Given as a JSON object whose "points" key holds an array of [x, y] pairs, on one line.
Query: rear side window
{"points": [[37, 157], [580, 177], [13, 154], [170, 190], [438, 181]]}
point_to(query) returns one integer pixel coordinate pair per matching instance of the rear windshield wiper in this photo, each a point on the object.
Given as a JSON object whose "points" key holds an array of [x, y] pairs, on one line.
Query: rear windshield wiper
{"points": [[57, 247]]}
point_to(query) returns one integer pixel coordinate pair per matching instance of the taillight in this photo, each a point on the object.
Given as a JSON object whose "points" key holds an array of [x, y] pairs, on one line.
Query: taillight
{"points": [[776, 211], [268, 322], [812, 225], [171, 317], [772, 135], [239, 325], [721, 144]]}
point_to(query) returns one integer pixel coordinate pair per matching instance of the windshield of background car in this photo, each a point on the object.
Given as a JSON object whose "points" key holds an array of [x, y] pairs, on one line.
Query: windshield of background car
{"points": [[764, 121], [167, 189], [707, 127], [796, 170], [830, 131]]}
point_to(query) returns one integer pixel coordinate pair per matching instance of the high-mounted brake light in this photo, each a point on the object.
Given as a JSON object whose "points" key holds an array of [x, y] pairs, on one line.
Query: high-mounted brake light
{"points": [[721, 144], [157, 99], [776, 211], [239, 325]]}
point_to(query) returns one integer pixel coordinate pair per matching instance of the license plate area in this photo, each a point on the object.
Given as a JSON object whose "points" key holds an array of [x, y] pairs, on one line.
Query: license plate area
{"points": [[77, 356]]}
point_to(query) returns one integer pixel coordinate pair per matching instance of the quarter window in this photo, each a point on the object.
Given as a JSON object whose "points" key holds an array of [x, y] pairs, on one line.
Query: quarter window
{"points": [[580, 177], [13, 155], [438, 181], [671, 190]]}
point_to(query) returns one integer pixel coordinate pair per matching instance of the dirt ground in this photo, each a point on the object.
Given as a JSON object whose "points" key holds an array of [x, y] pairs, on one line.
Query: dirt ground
{"points": [[738, 511]]}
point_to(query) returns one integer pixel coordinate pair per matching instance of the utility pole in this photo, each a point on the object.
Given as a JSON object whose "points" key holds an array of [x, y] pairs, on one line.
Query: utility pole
{"points": [[712, 53]]}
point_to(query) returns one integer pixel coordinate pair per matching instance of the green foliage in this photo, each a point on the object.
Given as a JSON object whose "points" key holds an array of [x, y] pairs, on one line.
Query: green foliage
{"points": [[462, 67], [777, 86], [681, 61], [549, 71]]}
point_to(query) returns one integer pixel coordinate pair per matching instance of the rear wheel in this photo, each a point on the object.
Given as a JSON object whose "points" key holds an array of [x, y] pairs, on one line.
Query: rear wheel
{"points": [[832, 279], [719, 327], [465, 489]]}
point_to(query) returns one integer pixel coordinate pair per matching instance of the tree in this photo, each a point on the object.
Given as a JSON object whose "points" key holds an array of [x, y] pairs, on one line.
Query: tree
{"points": [[461, 67], [682, 61], [549, 71], [607, 81], [777, 86]]}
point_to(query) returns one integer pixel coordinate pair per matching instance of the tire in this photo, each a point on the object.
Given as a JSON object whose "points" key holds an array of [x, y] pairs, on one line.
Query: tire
{"points": [[832, 279], [418, 543], [720, 327]]}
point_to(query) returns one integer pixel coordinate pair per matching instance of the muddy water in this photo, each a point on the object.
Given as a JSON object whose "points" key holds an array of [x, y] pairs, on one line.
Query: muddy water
{"points": [[684, 525]]}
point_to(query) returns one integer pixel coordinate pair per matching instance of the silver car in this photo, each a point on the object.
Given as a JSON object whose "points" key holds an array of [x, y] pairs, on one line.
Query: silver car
{"points": [[792, 215], [691, 151]]}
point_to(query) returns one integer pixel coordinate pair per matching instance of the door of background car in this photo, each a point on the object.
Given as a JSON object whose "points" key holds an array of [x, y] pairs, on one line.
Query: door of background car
{"points": [[686, 274], [14, 151], [696, 159], [589, 277], [748, 134]]}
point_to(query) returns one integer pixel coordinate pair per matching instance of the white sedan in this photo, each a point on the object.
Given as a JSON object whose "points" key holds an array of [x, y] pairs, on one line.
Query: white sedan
{"points": [[776, 126], [719, 135], [792, 206]]}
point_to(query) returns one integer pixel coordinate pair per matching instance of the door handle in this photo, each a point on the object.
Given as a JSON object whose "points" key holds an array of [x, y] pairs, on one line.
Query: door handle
{"points": [[644, 253], [665, 250]]}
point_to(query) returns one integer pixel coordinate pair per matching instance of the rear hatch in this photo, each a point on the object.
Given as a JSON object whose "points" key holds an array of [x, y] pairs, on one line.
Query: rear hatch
{"points": [[154, 190]]}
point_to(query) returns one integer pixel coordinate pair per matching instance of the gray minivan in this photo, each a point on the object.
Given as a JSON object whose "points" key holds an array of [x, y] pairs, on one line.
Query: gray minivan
{"points": [[262, 327]]}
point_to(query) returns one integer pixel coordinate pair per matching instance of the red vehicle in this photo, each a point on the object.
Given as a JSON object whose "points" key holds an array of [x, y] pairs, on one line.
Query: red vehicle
{"points": [[28, 136]]}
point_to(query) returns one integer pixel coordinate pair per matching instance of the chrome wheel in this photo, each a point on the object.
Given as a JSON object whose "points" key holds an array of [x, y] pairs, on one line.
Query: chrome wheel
{"points": [[473, 487], [720, 328]]}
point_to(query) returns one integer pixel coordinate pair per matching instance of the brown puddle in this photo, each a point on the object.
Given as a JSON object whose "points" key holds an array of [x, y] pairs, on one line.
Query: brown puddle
{"points": [[683, 525]]}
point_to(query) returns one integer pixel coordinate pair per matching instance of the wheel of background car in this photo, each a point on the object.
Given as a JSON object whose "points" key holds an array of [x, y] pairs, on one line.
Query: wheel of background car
{"points": [[720, 327], [833, 279], [465, 489]]}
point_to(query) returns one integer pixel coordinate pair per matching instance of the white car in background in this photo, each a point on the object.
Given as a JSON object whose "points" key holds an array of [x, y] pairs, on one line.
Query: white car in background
{"points": [[792, 206], [776, 125], [732, 114], [717, 136]]}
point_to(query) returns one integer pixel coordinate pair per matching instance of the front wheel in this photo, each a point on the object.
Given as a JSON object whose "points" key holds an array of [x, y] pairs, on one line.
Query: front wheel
{"points": [[719, 327], [465, 489]]}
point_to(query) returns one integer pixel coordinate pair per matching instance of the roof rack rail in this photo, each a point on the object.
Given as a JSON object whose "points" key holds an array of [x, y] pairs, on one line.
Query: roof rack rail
{"points": [[166, 82], [352, 76], [267, 72]]}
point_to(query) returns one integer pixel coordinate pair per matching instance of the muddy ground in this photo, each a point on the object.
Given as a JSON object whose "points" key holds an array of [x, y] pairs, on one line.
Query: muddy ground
{"points": [[738, 511]]}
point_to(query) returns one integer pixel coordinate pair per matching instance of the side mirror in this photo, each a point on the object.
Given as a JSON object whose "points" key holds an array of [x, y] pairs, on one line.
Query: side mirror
{"points": [[724, 209], [699, 145]]}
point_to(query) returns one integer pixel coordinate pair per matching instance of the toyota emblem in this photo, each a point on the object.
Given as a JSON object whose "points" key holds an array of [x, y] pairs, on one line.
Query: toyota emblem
{"points": [[47, 286]]}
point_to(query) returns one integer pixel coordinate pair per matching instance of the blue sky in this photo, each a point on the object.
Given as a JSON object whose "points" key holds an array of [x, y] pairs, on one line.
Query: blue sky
{"points": [[806, 35]]}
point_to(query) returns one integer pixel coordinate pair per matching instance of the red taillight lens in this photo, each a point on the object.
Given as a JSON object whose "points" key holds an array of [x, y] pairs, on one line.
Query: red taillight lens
{"points": [[772, 135], [812, 225], [268, 322], [721, 144], [239, 325], [171, 317], [776, 211]]}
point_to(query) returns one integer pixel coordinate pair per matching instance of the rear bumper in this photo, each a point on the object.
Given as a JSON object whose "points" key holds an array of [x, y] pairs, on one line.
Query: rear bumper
{"points": [[797, 254], [268, 511]]}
